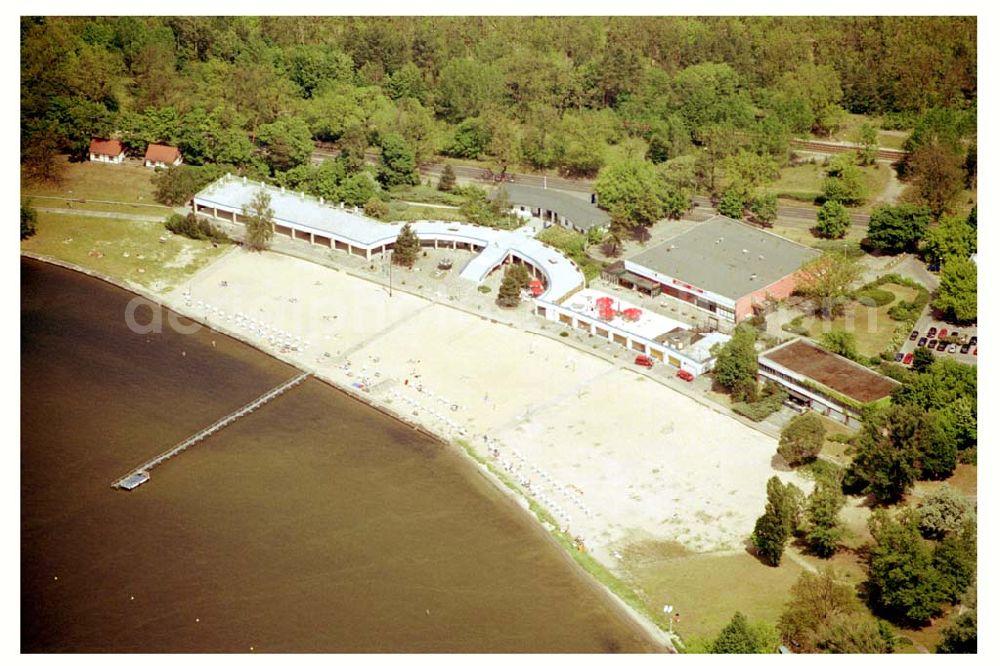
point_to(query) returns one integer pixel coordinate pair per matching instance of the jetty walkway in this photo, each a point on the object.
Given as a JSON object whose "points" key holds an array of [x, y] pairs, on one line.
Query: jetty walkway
{"points": [[140, 474]]}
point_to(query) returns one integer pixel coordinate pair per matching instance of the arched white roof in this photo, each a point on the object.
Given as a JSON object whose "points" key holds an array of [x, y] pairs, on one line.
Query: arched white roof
{"points": [[348, 225]]}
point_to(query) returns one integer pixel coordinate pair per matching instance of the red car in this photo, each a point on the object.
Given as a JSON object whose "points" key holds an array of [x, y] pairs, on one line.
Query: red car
{"points": [[644, 361], [908, 359], [685, 375], [943, 333]]}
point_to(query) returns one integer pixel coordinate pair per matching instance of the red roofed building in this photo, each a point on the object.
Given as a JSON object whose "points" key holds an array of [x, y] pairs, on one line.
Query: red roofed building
{"points": [[107, 150], [158, 155]]}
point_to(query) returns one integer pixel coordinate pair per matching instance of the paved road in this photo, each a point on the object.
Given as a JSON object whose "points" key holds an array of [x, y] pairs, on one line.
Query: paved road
{"points": [[578, 185]]}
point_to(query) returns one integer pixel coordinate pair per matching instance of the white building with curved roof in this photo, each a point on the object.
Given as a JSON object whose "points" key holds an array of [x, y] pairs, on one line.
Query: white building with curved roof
{"points": [[339, 227]]}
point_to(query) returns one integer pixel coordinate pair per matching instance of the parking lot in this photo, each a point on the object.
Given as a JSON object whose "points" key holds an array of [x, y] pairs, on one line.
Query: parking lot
{"points": [[966, 338]]}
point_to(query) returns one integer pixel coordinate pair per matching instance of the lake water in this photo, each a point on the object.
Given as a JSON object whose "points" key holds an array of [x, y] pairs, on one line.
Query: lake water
{"points": [[315, 524]]}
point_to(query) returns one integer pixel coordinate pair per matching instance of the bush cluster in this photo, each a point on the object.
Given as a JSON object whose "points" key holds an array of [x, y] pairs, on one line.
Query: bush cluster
{"points": [[195, 228], [872, 295], [771, 401]]}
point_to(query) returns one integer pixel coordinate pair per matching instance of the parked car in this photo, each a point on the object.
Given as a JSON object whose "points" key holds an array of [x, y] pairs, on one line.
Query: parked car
{"points": [[952, 348], [644, 361], [899, 356], [943, 333], [941, 345], [974, 340], [932, 332], [921, 342], [965, 349], [685, 375], [908, 359], [914, 334]]}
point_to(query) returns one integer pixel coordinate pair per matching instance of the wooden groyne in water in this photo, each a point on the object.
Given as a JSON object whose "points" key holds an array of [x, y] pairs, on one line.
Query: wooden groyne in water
{"points": [[140, 474]]}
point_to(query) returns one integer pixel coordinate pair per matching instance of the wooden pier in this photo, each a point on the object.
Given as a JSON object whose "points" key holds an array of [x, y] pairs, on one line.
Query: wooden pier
{"points": [[140, 474]]}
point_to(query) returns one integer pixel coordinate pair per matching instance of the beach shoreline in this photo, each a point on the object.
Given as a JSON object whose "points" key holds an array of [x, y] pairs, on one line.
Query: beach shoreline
{"points": [[504, 484]]}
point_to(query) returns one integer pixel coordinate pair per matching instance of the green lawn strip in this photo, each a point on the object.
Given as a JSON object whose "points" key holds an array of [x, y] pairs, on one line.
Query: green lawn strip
{"points": [[584, 559], [100, 244], [401, 212], [108, 207], [425, 194]]}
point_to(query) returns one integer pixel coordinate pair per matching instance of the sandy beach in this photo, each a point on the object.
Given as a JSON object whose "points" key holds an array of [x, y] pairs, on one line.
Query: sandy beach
{"points": [[613, 457]]}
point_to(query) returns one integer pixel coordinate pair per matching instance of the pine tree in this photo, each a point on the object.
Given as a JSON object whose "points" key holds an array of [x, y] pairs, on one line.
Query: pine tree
{"points": [[406, 248], [780, 520], [509, 294], [737, 637], [447, 181]]}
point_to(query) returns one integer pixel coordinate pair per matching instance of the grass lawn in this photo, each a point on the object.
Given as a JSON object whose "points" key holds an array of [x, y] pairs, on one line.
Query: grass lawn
{"points": [[707, 589], [802, 183], [872, 327], [963, 480], [800, 232], [425, 194], [401, 212], [574, 245], [101, 244], [130, 183], [892, 139]]}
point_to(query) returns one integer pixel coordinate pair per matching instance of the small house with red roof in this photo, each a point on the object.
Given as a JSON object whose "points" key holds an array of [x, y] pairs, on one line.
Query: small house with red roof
{"points": [[159, 155], [110, 151]]}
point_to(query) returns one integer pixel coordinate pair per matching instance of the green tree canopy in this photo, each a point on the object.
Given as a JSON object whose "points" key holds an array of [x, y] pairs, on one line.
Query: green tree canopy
{"points": [[938, 177], [259, 221], [844, 182], [824, 614], [632, 192], [824, 529], [780, 520], [951, 237], [470, 140], [736, 365], [901, 575], [895, 229], [802, 438], [828, 280], [958, 289], [841, 342], [447, 180], [737, 637], [832, 220], [764, 207], [397, 162], [960, 637], [731, 204], [943, 511], [29, 221], [287, 142], [887, 450]]}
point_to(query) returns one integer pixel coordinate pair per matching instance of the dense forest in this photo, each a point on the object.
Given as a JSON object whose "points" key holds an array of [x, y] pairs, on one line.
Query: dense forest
{"points": [[567, 94]]}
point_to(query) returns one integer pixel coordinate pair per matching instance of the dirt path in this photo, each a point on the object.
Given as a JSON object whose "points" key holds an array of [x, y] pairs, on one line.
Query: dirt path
{"points": [[101, 213], [893, 189]]}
